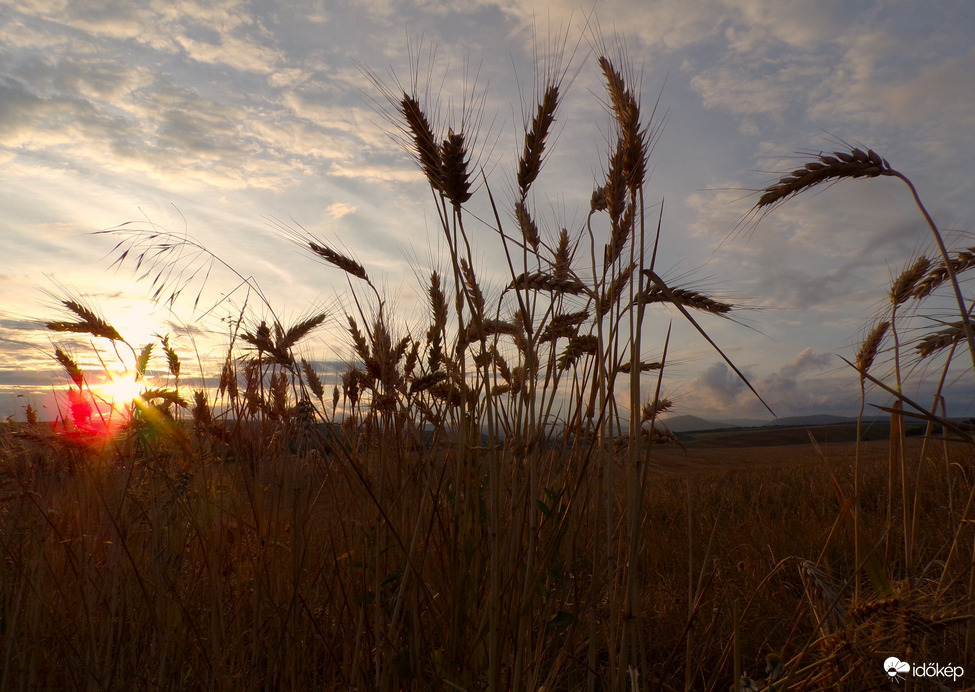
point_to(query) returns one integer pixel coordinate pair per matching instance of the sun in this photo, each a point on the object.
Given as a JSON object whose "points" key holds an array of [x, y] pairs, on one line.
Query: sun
{"points": [[121, 390]]}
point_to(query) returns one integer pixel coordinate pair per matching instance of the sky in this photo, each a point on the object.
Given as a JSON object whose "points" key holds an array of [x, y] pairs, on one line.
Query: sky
{"points": [[229, 120]]}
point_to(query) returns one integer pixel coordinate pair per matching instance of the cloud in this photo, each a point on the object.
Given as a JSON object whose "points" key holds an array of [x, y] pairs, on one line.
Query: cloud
{"points": [[101, 18], [21, 377], [808, 359], [795, 388], [233, 109], [753, 88], [719, 381], [107, 110], [233, 51], [340, 209], [754, 24], [377, 173]]}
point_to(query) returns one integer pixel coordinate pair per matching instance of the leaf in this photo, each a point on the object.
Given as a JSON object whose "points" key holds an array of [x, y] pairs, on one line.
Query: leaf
{"points": [[673, 299]]}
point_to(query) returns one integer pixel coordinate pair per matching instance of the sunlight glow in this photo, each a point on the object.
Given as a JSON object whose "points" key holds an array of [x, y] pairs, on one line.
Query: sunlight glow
{"points": [[121, 390]]}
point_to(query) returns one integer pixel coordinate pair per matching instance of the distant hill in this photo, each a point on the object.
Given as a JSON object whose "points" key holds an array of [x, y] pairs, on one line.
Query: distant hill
{"points": [[816, 419], [686, 423], [747, 422], [679, 424]]}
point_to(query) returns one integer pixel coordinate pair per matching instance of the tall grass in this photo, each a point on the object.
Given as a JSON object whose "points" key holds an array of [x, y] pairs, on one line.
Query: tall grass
{"points": [[474, 504]]}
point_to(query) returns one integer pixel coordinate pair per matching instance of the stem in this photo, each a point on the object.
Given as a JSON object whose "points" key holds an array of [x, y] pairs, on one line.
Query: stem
{"points": [[962, 309]]}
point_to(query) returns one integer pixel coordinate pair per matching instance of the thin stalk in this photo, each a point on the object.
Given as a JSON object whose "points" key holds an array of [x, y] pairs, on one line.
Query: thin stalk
{"points": [[633, 503]]}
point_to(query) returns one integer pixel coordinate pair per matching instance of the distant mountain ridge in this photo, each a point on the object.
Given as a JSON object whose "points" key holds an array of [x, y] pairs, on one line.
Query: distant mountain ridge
{"points": [[688, 423]]}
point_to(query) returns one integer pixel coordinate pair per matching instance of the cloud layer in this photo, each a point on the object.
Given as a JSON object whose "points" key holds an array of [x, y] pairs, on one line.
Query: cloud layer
{"points": [[212, 118]]}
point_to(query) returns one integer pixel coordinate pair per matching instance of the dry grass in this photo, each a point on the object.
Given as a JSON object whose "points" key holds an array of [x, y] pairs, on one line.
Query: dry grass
{"points": [[279, 570]]}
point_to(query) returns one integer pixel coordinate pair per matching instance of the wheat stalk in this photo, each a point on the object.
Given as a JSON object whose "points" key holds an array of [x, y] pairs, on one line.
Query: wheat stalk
{"points": [[70, 366], [424, 142], [652, 410], [963, 260], [686, 297], [202, 415], [530, 163], [90, 323], [577, 347], [620, 233], [615, 289], [529, 230], [312, 379], [172, 358], [633, 140], [454, 175], [853, 164], [868, 164], [870, 346], [562, 257], [644, 367], [563, 326], [473, 290], [228, 379], [425, 382], [906, 285], [540, 281], [337, 259], [359, 341], [941, 339], [142, 361], [300, 330], [169, 396]]}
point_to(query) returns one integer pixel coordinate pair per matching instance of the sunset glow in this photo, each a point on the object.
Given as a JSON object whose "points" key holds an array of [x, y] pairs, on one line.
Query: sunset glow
{"points": [[120, 391]]}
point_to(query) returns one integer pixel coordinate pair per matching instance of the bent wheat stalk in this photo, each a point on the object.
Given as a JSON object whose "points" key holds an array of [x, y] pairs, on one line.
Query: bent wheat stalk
{"points": [[865, 164]]}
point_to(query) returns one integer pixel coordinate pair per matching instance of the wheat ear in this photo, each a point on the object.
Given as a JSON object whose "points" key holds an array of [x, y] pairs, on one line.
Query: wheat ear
{"points": [[906, 285], [853, 164], [337, 259], [89, 323], [70, 366], [424, 143], [870, 347]]}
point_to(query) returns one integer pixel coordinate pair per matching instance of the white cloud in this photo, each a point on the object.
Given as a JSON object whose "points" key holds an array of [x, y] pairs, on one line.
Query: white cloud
{"points": [[233, 51], [377, 173], [808, 359], [796, 23], [339, 209], [733, 90]]}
